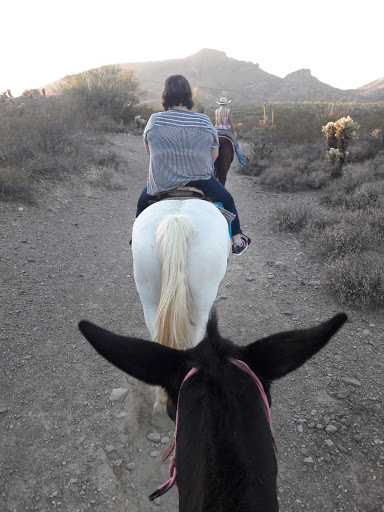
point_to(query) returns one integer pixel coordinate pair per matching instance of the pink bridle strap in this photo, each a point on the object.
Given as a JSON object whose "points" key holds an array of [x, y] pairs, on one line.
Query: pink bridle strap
{"points": [[172, 468], [245, 367]]}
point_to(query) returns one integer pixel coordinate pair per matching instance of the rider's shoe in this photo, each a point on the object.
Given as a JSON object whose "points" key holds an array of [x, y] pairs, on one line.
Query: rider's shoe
{"points": [[239, 249]]}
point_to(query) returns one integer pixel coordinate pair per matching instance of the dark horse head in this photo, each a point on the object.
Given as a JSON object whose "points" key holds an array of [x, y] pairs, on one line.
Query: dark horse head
{"points": [[225, 456], [224, 160]]}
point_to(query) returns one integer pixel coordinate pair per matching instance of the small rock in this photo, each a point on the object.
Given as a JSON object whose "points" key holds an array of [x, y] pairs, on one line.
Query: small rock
{"points": [[281, 265], [122, 414], [165, 440], [118, 394], [109, 448], [3, 410], [131, 466], [118, 462], [358, 409], [329, 443], [155, 453], [154, 436], [250, 278], [303, 451], [352, 382], [314, 283], [300, 428], [308, 461], [343, 393], [331, 429]]}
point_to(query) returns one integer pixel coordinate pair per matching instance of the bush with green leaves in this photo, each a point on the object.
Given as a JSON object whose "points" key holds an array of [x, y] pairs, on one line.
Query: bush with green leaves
{"points": [[107, 90]]}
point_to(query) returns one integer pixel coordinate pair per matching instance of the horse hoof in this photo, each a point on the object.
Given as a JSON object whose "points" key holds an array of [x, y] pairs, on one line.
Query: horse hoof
{"points": [[160, 417]]}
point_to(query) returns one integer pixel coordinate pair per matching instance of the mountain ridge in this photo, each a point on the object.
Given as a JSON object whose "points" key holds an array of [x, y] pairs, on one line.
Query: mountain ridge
{"points": [[215, 75]]}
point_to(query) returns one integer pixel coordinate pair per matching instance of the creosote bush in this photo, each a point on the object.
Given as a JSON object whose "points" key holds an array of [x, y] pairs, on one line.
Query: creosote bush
{"points": [[290, 217], [357, 281]]}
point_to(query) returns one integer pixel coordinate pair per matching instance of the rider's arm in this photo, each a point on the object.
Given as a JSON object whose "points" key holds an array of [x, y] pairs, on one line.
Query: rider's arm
{"points": [[146, 145], [231, 122], [214, 154]]}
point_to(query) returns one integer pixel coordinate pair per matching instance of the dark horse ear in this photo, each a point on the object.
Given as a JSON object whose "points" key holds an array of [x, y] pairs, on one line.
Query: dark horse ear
{"points": [[145, 360], [277, 355]]}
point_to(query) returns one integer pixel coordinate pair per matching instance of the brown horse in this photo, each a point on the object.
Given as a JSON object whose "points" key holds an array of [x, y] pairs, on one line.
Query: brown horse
{"points": [[224, 160]]}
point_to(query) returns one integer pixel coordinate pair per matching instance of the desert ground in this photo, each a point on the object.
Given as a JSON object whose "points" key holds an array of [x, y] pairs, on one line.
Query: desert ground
{"points": [[67, 446]]}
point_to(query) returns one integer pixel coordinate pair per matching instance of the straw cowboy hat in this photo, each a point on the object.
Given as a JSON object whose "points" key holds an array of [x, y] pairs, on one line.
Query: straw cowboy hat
{"points": [[223, 101]]}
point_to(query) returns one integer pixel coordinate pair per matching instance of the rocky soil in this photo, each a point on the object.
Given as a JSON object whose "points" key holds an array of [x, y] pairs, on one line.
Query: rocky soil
{"points": [[68, 444]]}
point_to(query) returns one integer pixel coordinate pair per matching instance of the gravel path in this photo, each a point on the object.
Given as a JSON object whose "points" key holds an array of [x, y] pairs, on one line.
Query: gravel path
{"points": [[65, 445]]}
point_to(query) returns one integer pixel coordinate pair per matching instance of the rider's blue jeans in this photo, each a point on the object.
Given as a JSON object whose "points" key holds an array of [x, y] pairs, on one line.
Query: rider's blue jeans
{"points": [[211, 188], [239, 154]]}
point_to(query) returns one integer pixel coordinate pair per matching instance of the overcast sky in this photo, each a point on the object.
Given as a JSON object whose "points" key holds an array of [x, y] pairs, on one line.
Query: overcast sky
{"points": [[43, 41]]}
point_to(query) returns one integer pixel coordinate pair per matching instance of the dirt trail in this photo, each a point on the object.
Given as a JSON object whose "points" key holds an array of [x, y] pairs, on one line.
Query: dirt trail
{"points": [[65, 446]]}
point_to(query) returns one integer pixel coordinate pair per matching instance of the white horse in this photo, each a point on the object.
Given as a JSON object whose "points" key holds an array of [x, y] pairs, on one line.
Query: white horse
{"points": [[180, 253]]}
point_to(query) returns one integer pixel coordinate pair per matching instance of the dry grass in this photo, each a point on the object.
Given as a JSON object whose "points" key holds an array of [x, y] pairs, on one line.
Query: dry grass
{"points": [[43, 142]]}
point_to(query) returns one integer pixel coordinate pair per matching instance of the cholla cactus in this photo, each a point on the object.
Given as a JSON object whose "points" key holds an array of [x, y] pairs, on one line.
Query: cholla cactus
{"points": [[338, 135], [346, 129], [140, 122], [335, 156], [330, 133]]}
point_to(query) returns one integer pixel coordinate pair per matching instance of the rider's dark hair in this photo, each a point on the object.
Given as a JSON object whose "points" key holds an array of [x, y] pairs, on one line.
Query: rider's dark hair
{"points": [[177, 91]]}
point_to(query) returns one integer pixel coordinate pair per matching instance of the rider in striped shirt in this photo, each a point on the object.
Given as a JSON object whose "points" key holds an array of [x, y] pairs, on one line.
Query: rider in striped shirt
{"points": [[183, 146]]}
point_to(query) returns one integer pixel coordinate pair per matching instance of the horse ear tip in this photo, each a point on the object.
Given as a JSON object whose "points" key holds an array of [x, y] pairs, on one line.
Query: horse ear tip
{"points": [[83, 325], [212, 325]]}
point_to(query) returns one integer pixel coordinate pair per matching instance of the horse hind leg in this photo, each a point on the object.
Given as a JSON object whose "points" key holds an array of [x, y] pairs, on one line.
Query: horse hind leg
{"points": [[160, 417]]}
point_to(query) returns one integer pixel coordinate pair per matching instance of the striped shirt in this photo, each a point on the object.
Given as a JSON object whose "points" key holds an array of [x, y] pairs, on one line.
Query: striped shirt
{"points": [[180, 143], [224, 125]]}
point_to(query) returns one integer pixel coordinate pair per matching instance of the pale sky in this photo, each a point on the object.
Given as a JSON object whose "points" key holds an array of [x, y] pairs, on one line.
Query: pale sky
{"points": [[340, 42]]}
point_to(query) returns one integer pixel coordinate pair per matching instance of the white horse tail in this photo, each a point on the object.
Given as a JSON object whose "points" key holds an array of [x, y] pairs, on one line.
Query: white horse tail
{"points": [[173, 315]]}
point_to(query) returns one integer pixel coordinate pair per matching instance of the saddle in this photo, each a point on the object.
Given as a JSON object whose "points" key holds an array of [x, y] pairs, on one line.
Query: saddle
{"points": [[191, 193], [224, 136]]}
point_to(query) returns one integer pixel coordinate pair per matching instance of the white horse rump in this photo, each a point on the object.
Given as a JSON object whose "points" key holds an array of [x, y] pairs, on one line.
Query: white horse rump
{"points": [[180, 252]]}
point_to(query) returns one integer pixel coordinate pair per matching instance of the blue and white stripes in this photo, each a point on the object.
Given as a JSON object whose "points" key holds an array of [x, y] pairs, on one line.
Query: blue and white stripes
{"points": [[180, 143]]}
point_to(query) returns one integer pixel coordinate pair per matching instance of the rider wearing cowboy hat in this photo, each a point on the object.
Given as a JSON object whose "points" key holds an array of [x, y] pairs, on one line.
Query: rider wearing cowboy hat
{"points": [[224, 125]]}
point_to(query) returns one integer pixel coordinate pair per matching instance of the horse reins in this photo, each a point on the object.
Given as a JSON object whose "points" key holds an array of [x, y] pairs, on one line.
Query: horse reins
{"points": [[172, 445]]}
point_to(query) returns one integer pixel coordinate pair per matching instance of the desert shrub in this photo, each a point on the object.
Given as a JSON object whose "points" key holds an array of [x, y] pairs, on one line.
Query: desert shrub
{"points": [[319, 220], [131, 111], [337, 192], [290, 217], [365, 196], [102, 91], [300, 175], [358, 281], [356, 232], [15, 185], [366, 149], [46, 142]]}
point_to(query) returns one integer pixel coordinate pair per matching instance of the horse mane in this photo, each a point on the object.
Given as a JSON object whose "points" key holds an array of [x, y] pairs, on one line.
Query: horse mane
{"points": [[173, 314]]}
